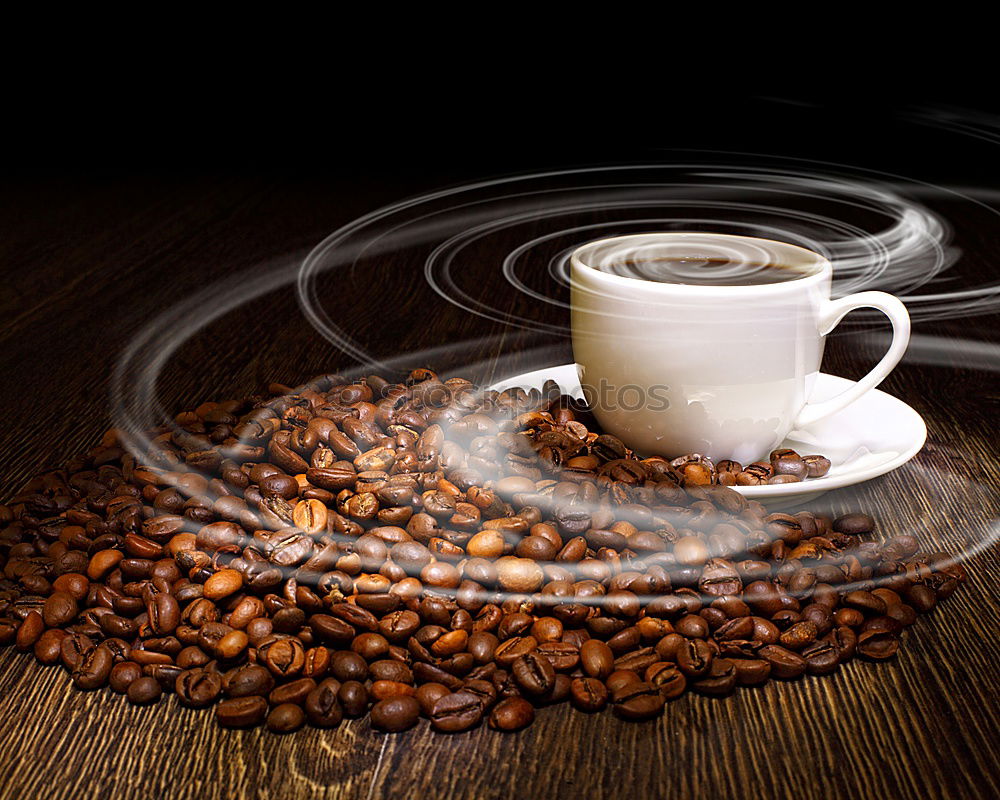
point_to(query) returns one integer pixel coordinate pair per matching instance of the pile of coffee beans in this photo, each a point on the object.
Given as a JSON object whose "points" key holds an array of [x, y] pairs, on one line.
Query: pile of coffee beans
{"points": [[423, 549], [783, 466]]}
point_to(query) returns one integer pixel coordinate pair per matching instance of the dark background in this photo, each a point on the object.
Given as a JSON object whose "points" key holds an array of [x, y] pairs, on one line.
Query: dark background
{"points": [[431, 133], [158, 164]]}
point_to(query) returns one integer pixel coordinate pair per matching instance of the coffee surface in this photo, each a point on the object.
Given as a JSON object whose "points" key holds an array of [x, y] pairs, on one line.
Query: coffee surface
{"points": [[695, 271]]}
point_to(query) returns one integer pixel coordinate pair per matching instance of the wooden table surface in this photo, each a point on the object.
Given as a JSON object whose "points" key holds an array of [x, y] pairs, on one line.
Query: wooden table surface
{"points": [[87, 264]]}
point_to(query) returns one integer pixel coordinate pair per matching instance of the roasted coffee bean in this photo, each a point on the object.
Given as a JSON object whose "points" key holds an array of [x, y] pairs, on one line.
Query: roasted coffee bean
{"points": [[246, 680], [637, 660], [390, 669], [284, 657], [48, 648], [902, 613], [784, 663], [294, 692], [691, 550], [455, 712], [854, 524], [144, 691], [428, 673], [588, 694], [482, 645], [865, 601], [197, 688], [720, 679], [380, 690], [347, 665], [222, 584], [757, 473], [123, 675], [30, 631], [353, 698], [93, 668], [816, 466], [637, 700], [512, 714], [164, 613], [534, 674], [483, 689], [788, 462], [821, 657], [322, 706], [922, 598], [73, 648], [428, 694], [751, 671], [563, 656], [509, 651], [597, 659], [241, 712], [331, 629], [395, 714], [694, 658], [165, 674], [799, 635], [285, 718], [877, 645], [399, 626], [667, 678], [692, 626], [60, 609]]}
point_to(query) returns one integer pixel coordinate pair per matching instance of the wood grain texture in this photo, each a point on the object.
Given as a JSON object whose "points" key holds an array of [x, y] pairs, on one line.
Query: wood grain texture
{"points": [[86, 267]]}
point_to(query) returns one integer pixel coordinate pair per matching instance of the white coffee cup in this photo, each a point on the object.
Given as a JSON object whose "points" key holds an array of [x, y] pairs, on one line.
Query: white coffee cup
{"points": [[721, 370]]}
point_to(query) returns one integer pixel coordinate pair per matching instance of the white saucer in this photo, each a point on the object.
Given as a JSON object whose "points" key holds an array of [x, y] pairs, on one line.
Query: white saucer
{"points": [[872, 436]]}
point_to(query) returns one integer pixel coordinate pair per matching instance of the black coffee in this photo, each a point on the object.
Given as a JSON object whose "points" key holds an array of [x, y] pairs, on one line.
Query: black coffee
{"points": [[702, 271]]}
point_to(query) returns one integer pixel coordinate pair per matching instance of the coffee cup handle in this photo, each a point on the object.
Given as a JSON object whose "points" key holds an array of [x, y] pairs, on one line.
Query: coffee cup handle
{"points": [[830, 316]]}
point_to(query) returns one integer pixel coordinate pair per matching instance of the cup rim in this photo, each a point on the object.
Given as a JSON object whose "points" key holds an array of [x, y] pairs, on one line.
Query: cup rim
{"points": [[823, 266]]}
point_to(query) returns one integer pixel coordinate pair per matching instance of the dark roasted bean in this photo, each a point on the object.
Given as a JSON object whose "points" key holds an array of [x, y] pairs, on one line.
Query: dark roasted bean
{"points": [[198, 687], [512, 714], [285, 718], [597, 659], [456, 712], [637, 700], [241, 712], [667, 678], [694, 658], [534, 674], [322, 706], [144, 691], [784, 663], [395, 714], [719, 680], [93, 668], [588, 694], [353, 698]]}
